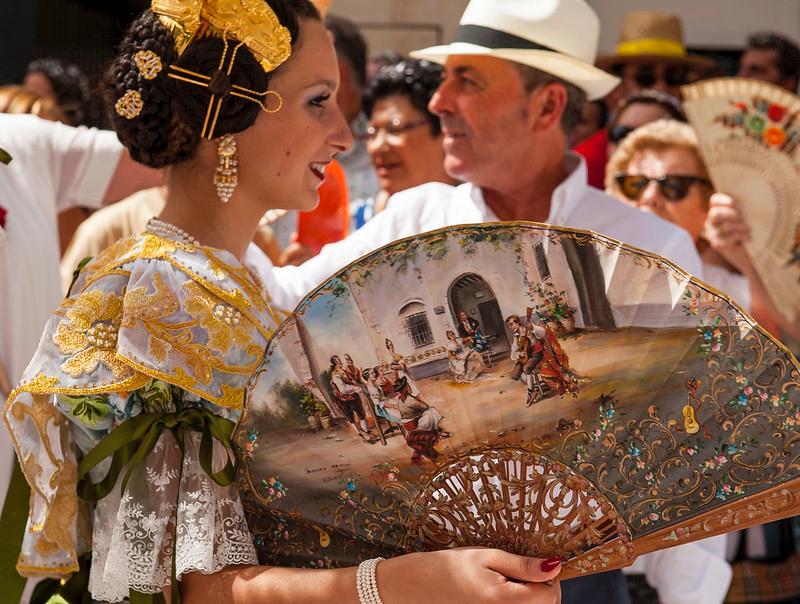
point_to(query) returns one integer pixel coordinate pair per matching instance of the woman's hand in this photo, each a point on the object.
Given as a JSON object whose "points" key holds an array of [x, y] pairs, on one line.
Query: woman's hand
{"points": [[474, 575], [727, 232]]}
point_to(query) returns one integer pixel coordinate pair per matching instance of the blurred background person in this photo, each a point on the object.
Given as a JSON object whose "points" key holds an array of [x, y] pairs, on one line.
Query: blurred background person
{"points": [[651, 54], [638, 109], [405, 139], [378, 61], [772, 58], [593, 119], [351, 51], [63, 83]]}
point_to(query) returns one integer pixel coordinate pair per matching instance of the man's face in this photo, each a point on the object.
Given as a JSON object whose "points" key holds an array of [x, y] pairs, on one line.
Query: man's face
{"points": [[760, 64], [348, 360], [513, 325], [462, 316], [483, 109], [665, 77]]}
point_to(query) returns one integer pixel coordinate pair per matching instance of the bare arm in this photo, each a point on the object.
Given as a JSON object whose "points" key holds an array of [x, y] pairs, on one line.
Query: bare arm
{"points": [[129, 177], [475, 575]]}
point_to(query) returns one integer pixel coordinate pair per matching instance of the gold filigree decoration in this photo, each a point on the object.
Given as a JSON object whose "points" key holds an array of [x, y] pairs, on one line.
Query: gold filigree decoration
{"points": [[88, 334], [148, 63], [129, 105], [250, 21], [515, 500]]}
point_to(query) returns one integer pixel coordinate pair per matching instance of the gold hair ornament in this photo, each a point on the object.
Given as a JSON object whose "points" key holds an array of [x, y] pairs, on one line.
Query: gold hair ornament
{"points": [[130, 105], [251, 22], [226, 64], [148, 63]]}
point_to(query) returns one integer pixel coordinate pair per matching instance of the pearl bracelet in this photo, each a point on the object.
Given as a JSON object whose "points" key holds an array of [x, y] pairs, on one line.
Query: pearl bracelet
{"points": [[367, 582]]}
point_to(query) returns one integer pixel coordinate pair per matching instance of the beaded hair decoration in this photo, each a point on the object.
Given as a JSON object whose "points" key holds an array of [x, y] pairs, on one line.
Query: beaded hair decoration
{"points": [[250, 23]]}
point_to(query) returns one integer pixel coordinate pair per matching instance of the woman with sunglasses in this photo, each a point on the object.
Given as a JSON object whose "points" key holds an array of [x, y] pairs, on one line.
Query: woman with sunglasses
{"points": [[405, 139], [140, 376], [658, 168]]}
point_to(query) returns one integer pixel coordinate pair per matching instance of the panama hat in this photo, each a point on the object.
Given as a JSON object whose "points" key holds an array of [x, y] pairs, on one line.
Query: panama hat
{"points": [[555, 36], [651, 36]]}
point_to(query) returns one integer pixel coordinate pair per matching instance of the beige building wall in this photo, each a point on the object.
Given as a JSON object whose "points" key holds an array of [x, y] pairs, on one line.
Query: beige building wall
{"points": [[404, 25]]}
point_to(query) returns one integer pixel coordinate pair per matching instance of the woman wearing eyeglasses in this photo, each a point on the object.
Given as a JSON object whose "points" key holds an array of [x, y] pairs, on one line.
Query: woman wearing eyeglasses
{"points": [[405, 139], [659, 169]]}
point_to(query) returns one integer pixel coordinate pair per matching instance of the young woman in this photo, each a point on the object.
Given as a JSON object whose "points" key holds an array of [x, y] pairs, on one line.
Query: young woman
{"points": [[140, 374]]}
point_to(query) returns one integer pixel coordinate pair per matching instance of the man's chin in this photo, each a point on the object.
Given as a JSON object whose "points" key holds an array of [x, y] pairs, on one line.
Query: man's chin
{"points": [[457, 168]]}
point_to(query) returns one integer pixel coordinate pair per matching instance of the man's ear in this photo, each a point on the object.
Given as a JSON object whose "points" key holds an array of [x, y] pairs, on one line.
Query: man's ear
{"points": [[547, 105]]}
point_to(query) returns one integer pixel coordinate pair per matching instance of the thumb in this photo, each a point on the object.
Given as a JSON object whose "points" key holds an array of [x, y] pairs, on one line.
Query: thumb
{"points": [[524, 568]]}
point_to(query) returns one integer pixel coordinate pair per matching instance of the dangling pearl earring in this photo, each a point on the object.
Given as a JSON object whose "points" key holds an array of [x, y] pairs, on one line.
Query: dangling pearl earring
{"points": [[226, 176]]}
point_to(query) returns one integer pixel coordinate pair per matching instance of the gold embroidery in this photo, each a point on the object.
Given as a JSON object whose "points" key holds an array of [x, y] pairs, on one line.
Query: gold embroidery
{"points": [[110, 258], [88, 334], [57, 532]]}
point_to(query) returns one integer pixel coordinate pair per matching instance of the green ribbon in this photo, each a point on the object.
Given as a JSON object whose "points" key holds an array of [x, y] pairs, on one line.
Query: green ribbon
{"points": [[12, 526], [130, 443]]}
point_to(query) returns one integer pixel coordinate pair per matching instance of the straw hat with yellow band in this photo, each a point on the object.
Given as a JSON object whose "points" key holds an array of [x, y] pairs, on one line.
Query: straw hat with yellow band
{"points": [[652, 37]]}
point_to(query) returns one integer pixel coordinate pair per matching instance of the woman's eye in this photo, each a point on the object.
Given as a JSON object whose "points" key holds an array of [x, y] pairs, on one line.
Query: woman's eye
{"points": [[319, 101]]}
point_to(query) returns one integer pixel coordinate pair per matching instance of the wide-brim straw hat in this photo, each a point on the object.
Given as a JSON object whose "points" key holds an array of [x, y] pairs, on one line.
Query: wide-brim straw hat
{"points": [[651, 36], [556, 36]]}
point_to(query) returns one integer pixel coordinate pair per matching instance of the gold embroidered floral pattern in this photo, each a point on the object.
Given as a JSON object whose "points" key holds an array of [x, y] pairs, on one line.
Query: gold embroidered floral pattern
{"points": [[88, 333]]}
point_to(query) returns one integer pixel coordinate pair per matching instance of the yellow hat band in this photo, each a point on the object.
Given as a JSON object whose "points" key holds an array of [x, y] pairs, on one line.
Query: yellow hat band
{"points": [[652, 46]]}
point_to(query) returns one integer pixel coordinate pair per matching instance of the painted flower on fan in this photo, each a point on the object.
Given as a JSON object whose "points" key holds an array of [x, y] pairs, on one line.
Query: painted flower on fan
{"points": [[273, 489], [634, 450], [748, 390], [776, 400], [774, 136], [741, 380], [756, 123], [776, 112], [763, 395], [251, 444]]}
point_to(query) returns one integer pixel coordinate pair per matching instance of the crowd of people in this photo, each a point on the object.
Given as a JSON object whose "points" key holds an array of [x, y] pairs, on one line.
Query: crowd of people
{"points": [[326, 153]]}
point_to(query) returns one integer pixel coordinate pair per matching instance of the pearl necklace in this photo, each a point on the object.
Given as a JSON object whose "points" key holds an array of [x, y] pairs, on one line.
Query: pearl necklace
{"points": [[169, 231]]}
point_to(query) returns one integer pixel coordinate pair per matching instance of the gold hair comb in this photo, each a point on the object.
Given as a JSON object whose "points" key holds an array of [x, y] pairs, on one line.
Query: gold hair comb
{"points": [[251, 22]]}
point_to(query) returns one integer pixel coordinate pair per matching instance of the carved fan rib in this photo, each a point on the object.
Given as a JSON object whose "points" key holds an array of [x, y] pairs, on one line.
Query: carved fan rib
{"points": [[546, 509]]}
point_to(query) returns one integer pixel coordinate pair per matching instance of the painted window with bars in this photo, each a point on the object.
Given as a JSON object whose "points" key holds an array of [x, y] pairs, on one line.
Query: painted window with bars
{"points": [[419, 329]]}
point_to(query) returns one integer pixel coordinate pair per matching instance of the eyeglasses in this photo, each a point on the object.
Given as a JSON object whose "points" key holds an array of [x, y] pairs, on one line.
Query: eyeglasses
{"points": [[673, 187], [395, 130], [647, 76], [618, 133]]}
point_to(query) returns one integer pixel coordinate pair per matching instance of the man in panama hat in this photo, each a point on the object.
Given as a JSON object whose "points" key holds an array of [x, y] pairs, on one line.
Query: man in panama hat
{"points": [[514, 84]]}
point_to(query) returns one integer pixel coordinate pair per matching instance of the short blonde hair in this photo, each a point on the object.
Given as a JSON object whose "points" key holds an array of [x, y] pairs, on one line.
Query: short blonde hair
{"points": [[655, 136]]}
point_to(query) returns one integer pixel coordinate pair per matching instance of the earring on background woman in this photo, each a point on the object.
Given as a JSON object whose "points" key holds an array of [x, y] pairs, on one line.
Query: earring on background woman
{"points": [[226, 176]]}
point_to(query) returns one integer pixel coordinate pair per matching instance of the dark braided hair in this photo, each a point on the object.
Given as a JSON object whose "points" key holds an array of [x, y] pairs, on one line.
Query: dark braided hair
{"points": [[412, 78], [167, 131]]}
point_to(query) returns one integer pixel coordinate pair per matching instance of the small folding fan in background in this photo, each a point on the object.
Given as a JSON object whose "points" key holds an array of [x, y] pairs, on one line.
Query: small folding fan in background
{"points": [[750, 134], [543, 390]]}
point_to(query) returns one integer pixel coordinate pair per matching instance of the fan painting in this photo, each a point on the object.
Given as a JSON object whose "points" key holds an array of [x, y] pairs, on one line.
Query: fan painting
{"points": [[544, 390]]}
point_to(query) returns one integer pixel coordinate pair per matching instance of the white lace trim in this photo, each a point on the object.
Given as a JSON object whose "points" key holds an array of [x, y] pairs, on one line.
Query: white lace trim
{"points": [[133, 534]]}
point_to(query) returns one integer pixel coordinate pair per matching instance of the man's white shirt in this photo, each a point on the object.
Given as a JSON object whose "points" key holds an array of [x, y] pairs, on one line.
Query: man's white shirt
{"points": [[435, 205]]}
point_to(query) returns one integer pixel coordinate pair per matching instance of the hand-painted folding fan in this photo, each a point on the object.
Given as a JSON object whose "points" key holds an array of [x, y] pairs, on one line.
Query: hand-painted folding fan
{"points": [[750, 135], [543, 390]]}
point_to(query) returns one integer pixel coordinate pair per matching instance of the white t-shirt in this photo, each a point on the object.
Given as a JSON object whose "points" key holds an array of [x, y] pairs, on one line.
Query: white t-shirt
{"points": [[54, 167], [435, 205]]}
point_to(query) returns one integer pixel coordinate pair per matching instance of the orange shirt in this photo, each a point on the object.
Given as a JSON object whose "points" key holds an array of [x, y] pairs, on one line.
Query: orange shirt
{"points": [[330, 221]]}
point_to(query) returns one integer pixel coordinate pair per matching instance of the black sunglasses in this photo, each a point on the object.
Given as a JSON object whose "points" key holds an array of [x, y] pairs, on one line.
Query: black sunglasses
{"points": [[618, 133], [674, 187], [647, 76]]}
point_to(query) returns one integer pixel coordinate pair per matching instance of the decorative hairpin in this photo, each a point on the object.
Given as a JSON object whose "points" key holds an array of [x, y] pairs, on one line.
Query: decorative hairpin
{"points": [[130, 105], [252, 22], [148, 63], [226, 64]]}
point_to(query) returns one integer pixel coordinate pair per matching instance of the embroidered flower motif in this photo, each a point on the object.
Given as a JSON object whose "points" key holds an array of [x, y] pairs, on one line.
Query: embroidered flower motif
{"points": [[88, 333]]}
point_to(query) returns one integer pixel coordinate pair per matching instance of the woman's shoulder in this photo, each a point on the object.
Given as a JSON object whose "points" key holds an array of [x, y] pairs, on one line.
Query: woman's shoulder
{"points": [[153, 308]]}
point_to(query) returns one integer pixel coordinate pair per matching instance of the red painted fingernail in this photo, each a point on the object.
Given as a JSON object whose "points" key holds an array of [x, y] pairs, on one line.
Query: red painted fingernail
{"points": [[550, 564]]}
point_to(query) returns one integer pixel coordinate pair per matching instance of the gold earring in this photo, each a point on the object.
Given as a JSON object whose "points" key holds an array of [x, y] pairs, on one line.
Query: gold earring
{"points": [[227, 175]]}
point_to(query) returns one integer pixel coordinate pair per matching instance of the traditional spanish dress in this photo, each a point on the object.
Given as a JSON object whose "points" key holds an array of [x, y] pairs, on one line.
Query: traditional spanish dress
{"points": [[123, 419]]}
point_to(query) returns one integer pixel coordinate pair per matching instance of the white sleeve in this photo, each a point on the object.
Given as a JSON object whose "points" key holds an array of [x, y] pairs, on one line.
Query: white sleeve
{"points": [[694, 573], [294, 282], [83, 161]]}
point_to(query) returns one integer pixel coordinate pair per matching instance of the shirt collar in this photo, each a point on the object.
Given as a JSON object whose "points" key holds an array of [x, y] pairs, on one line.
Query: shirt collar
{"points": [[565, 199]]}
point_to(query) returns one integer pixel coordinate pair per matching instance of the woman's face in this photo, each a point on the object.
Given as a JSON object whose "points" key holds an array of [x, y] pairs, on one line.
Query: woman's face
{"points": [[688, 213], [403, 149], [283, 156]]}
